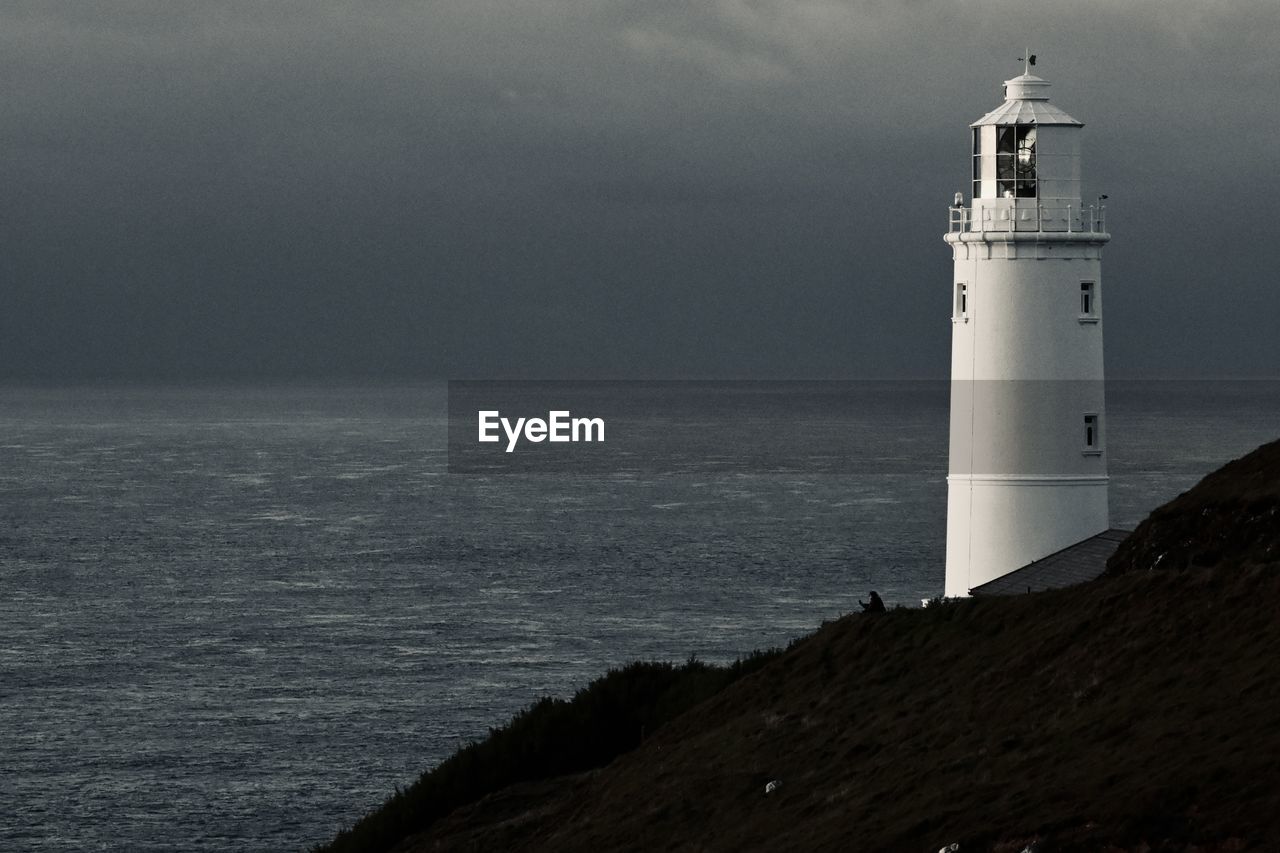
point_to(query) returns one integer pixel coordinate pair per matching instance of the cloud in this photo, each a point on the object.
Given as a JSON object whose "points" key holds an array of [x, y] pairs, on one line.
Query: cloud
{"points": [[460, 179], [735, 65]]}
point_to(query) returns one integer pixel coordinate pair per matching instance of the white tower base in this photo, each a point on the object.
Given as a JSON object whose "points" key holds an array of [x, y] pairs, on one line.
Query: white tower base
{"points": [[1017, 517]]}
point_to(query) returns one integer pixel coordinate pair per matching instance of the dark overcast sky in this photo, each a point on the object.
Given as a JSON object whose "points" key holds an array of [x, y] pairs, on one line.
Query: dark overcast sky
{"points": [[196, 189]]}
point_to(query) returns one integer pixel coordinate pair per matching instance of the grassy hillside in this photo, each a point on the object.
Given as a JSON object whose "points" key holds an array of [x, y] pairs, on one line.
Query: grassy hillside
{"points": [[1133, 713], [551, 738], [1230, 519]]}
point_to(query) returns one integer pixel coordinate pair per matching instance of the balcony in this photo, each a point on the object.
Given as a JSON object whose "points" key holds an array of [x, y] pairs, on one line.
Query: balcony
{"points": [[1007, 215]]}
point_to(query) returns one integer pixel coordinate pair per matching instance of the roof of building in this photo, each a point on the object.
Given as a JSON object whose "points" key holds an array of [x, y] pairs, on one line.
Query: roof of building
{"points": [[1074, 564], [1026, 102]]}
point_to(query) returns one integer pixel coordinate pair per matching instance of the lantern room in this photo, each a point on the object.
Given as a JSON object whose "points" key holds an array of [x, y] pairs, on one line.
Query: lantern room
{"points": [[1026, 162]]}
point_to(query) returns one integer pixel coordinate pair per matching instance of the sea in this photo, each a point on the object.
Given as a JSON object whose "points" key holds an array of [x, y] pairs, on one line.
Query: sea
{"points": [[236, 618]]}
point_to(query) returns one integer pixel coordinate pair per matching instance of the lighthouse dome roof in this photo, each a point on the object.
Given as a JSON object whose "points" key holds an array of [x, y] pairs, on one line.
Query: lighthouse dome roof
{"points": [[1026, 102]]}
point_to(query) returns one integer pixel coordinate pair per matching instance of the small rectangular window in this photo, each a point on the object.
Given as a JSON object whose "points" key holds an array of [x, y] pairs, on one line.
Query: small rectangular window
{"points": [[962, 302], [1088, 301], [1092, 434]]}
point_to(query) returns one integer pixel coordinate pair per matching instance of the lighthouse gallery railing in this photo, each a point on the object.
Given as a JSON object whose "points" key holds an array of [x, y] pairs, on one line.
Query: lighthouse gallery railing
{"points": [[1071, 219]]}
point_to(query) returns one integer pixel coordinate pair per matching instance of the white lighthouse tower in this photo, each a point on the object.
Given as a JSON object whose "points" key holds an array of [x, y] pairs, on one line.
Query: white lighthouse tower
{"points": [[1028, 468]]}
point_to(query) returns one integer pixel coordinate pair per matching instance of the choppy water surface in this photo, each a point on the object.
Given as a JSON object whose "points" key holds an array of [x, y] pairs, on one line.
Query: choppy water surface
{"points": [[235, 619]]}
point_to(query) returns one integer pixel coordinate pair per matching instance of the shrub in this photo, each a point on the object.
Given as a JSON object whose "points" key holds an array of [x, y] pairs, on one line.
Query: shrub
{"points": [[552, 737]]}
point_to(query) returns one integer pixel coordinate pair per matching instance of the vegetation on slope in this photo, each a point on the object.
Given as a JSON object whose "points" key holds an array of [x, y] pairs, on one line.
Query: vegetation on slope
{"points": [[1230, 519], [551, 738], [1133, 713]]}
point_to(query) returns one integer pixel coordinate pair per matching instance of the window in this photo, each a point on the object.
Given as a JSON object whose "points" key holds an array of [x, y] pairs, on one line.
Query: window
{"points": [[1092, 435], [977, 162], [1088, 302], [1016, 161], [962, 302]]}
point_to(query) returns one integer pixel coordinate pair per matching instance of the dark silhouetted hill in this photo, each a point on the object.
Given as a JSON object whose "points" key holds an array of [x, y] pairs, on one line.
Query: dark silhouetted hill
{"points": [[1134, 713], [1230, 519]]}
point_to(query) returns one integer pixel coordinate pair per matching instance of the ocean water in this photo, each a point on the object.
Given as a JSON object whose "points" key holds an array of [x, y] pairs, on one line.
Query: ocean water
{"points": [[236, 618]]}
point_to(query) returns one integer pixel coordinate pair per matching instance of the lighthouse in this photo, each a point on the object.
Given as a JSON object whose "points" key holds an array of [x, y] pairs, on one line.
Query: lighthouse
{"points": [[1027, 474]]}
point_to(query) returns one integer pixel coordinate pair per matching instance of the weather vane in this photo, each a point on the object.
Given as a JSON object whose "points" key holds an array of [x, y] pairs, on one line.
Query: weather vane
{"points": [[1028, 59]]}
